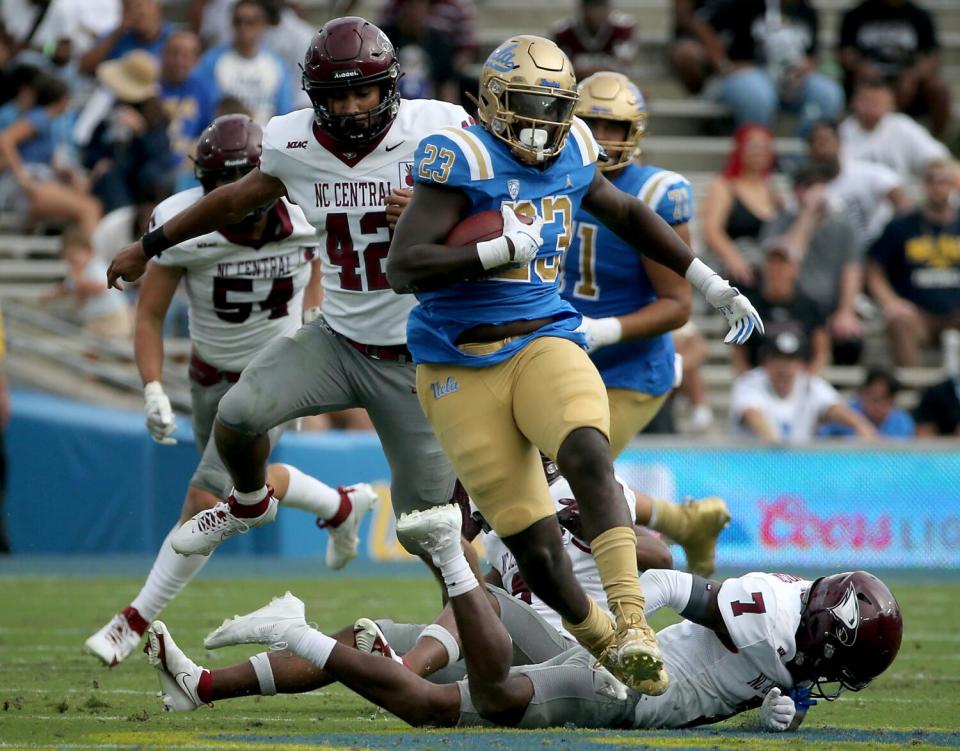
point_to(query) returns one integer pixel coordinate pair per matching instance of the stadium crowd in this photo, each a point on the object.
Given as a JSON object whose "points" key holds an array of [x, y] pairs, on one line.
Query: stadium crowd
{"points": [[103, 101]]}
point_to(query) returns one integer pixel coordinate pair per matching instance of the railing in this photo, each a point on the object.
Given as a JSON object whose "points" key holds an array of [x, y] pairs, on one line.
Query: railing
{"points": [[53, 342]]}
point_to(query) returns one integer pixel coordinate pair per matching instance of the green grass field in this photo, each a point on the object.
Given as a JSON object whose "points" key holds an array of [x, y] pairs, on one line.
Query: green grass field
{"points": [[53, 696]]}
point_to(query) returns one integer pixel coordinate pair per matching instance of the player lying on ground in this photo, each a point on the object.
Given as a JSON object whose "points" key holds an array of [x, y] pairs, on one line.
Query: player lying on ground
{"points": [[758, 640], [338, 162], [536, 631], [501, 370], [247, 285]]}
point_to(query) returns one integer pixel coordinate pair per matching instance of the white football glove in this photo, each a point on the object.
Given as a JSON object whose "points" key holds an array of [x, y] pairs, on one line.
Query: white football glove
{"points": [[777, 711], [525, 239], [161, 421], [599, 332], [736, 308], [311, 314]]}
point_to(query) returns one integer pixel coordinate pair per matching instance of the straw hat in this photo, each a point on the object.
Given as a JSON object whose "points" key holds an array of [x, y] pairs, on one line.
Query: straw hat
{"points": [[133, 78]]}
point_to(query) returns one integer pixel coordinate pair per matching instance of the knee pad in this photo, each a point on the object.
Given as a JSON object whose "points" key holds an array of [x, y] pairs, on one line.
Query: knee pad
{"points": [[239, 409]]}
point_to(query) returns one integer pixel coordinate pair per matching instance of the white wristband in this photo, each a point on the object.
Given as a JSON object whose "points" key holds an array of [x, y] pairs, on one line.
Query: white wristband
{"points": [[698, 273], [493, 253], [607, 330], [153, 388]]}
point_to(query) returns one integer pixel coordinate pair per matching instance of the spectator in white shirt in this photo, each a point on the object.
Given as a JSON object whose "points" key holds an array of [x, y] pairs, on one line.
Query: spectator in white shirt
{"points": [[877, 133], [46, 27], [781, 402], [247, 68], [868, 193]]}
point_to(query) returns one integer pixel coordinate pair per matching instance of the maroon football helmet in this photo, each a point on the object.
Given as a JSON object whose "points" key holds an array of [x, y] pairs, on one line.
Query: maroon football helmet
{"points": [[348, 53], [850, 632], [227, 150]]}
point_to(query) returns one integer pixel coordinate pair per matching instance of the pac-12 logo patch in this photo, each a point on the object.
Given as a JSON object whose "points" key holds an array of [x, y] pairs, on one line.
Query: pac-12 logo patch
{"points": [[406, 174], [513, 188]]}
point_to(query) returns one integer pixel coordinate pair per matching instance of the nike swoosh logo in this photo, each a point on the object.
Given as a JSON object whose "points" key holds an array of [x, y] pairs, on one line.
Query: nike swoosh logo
{"points": [[181, 679], [391, 148]]}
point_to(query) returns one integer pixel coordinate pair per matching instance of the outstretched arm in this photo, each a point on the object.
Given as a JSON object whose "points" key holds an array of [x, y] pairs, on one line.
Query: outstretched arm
{"points": [[641, 228], [691, 596], [226, 205], [637, 224]]}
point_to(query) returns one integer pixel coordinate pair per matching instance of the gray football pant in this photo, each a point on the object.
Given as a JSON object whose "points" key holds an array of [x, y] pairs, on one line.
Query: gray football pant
{"points": [[568, 690], [314, 372], [534, 640], [211, 475]]}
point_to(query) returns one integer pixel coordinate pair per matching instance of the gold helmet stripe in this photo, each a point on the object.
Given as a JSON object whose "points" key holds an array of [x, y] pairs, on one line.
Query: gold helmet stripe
{"points": [[476, 154], [589, 150]]}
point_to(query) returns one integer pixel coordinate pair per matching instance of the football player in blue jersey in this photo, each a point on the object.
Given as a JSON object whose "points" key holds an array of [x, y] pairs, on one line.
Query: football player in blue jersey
{"points": [[630, 303], [501, 369]]}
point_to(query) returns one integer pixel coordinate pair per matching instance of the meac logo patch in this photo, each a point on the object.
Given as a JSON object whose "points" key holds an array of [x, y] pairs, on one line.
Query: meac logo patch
{"points": [[847, 612]]}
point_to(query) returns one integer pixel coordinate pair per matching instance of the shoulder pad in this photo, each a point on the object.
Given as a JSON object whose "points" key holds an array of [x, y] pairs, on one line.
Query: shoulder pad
{"points": [[670, 195], [172, 205], [587, 145], [452, 156]]}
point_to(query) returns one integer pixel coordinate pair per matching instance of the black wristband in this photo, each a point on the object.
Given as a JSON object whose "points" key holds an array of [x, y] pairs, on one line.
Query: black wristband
{"points": [[154, 242]]}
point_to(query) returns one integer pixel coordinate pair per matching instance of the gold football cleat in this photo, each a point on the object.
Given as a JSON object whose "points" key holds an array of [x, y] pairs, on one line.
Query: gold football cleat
{"points": [[634, 658], [706, 518]]}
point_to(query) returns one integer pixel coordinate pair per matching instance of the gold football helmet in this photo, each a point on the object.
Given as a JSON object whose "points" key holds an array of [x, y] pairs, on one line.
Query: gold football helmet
{"points": [[612, 96], [527, 96]]}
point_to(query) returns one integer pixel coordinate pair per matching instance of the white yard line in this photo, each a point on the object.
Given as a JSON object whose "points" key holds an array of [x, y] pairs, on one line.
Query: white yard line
{"points": [[113, 718], [92, 691]]}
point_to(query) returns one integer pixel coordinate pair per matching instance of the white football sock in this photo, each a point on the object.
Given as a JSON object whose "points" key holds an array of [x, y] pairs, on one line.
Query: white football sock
{"points": [[252, 498], [313, 646], [309, 494], [458, 577], [170, 573], [264, 671]]}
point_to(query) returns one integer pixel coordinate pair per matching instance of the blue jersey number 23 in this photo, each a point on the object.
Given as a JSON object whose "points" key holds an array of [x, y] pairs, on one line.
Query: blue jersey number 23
{"points": [[552, 209]]}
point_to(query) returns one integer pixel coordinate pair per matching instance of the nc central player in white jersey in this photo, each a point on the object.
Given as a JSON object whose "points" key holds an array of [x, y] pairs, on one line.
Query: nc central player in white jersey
{"points": [[246, 287], [338, 161], [761, 640]]}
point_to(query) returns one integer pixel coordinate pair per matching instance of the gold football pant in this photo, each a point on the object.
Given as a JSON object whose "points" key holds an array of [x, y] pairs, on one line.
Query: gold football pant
{"points": [[630, 412], [491, 421]]}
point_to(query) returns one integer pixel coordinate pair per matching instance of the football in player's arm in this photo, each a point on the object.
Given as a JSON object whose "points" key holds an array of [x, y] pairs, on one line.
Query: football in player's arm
{"points": [[419, 260], [532, 156]]}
